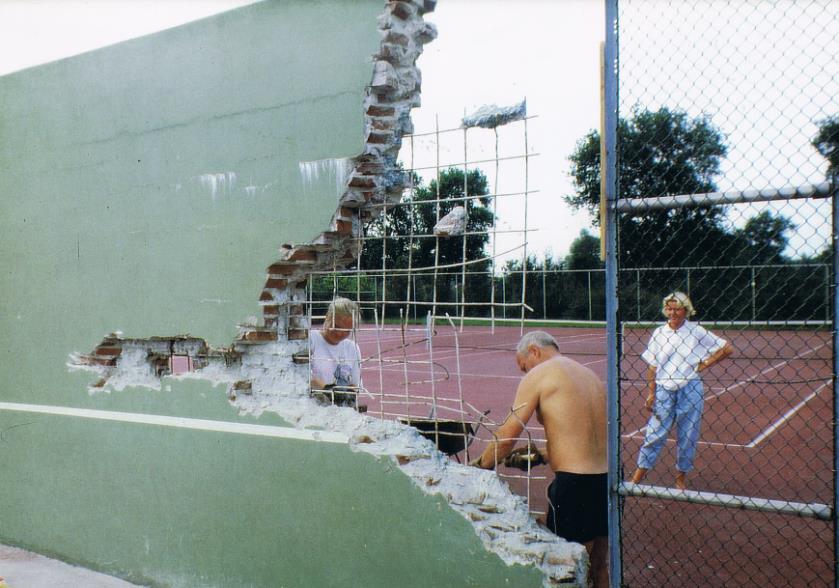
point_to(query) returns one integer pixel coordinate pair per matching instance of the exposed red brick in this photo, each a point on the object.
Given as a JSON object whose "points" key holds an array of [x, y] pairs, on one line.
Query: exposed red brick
{"points": [[363, 182], [102, 350], [403, 10], [282, 268], [271, 309], [259, 336], [297, 334], [302, 283], [376, 110], [266, 296], [303, 255], [276, 283], [344, 227], [378, 139], [270, 322], [296, 310]]}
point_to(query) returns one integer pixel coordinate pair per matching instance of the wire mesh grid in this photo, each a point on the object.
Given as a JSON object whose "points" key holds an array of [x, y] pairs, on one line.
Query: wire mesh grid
{"points": [[726, 414], [438, 330]]}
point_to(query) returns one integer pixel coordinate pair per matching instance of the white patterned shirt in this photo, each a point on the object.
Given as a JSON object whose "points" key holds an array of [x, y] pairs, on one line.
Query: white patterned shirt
{"points": [[676, 354]]}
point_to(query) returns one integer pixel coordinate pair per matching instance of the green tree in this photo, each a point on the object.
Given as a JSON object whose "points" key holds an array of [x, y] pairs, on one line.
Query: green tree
{"points": [[403, 237], [662, 153], [584, 252], [764, 238], [826, 142]]}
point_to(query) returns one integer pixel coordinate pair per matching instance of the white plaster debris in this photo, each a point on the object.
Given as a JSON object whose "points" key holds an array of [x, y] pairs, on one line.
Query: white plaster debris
{"points": [[132, 370], [222, 183], [336, 170], [452, 224], [499, 517], [490, 116]]}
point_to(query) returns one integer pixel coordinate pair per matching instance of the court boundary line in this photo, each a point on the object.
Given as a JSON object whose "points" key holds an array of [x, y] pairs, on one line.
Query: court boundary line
{"points": [[785, 417]]}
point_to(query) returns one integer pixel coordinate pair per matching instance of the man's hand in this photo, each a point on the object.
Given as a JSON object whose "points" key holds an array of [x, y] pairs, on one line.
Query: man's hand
{"points": [[524, 458], [477, 463]]}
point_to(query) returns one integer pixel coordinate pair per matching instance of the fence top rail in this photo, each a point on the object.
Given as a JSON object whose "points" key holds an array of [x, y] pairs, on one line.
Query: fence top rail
{"points": [[641, 205]]}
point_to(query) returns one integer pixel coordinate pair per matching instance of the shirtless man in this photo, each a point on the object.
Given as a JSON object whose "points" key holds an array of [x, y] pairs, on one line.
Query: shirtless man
{"points": [[570, 402]]}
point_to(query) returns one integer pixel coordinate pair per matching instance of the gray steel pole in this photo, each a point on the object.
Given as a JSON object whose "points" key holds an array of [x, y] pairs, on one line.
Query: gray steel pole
{"points": [[835, 331], [613, 411]]}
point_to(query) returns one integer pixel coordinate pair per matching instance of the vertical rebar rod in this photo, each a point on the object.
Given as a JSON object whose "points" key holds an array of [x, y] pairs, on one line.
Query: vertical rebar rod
{"points": [[610, 106], [430, 335], [437, 198], [524, 249], [411, 213], [754, 309], [384, 260], [459, 381], [381, 361], [462, 310], [402, 324], [588, 273], [494, 236]]}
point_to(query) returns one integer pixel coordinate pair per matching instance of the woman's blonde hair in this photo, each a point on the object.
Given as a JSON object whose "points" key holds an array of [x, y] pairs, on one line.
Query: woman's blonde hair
{"points": [[682, 301], [341, 307]]}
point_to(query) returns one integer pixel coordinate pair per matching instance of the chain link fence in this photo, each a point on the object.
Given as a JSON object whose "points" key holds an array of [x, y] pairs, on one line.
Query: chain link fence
{"points": [[727, 137]]}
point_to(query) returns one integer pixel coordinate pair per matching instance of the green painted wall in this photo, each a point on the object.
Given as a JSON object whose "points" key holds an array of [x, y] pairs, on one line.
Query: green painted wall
{"points": [[105, 221], [172, 507], [109, 221]]}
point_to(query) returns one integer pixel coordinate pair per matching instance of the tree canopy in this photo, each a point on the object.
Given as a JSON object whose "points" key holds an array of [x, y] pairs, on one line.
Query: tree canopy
{"points": [[403, 237], [664, 153], [826, 142]]}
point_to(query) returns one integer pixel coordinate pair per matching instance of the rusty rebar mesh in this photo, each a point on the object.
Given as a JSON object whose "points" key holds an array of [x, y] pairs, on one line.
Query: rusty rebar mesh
{"points": [[727, 96]]}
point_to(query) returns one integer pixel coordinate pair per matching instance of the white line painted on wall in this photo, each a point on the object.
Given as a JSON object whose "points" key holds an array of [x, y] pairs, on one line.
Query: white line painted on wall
{"points": [[180, 422]]}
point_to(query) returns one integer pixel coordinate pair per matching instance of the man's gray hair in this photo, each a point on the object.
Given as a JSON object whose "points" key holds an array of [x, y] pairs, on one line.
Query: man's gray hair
{"points": [[341, 307], [537, 338]]}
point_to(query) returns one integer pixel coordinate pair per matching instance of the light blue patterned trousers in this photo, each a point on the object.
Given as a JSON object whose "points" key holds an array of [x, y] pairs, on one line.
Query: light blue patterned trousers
{"points": [[682, 407]]}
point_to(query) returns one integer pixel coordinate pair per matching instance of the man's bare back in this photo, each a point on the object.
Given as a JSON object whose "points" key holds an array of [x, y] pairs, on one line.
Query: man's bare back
{"points": [[570, 402], [572, 409]]}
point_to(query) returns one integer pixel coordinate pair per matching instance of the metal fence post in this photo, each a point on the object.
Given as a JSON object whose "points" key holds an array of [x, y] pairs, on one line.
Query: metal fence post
{"points": [[835, 285], [610, 107]]}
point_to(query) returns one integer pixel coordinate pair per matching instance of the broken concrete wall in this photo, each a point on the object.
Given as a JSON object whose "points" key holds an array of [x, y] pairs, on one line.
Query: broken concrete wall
{"points": [[145, 188]]}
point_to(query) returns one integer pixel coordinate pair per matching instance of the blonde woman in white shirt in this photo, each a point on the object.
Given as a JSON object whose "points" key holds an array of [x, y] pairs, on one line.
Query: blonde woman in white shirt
{"points": [[676, 353], [335, 359]]}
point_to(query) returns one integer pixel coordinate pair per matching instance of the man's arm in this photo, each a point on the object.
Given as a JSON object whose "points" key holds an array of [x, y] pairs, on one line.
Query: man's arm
{"points": [[525, 404]]}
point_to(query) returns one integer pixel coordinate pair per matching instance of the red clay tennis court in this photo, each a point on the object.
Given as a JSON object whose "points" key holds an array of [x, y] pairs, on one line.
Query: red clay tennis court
{"points": [[766, 434]]}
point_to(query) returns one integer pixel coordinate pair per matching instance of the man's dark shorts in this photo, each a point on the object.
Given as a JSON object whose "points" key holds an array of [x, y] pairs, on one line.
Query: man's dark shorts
{"points": [[578, 506]]}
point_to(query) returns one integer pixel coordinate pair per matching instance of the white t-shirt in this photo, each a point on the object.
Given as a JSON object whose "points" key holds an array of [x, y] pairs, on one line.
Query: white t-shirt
{"points": [[676, 354], [334, 364]]}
